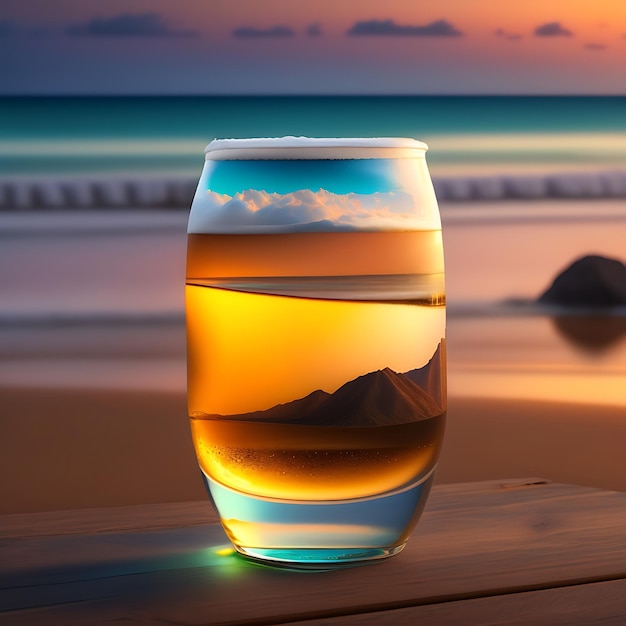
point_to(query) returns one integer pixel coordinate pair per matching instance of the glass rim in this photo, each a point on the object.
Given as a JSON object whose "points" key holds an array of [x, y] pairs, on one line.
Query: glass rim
{"points": [[313, 147]]}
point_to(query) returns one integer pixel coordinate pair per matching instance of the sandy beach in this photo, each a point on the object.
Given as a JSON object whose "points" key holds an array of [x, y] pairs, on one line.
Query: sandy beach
{"points": [[75, 449], [92, 375]]}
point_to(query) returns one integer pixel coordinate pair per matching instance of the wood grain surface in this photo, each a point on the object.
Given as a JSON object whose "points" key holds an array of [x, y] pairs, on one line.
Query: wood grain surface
{"points": [[481, 550]]}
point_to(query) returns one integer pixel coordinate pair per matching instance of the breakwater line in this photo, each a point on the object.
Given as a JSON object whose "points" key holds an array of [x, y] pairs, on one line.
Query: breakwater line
{"points": [[171, 192]]}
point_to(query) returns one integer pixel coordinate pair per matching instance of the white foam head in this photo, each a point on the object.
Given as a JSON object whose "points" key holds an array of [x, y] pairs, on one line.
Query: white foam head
{"points": [[315, 148]]}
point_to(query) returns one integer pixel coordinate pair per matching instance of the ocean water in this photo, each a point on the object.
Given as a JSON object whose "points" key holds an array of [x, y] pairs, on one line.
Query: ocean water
{"points": [[166, 135]]}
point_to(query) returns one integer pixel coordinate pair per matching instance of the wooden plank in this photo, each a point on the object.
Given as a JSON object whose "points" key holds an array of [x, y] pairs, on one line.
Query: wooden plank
{"points": [[173, 515], [107, 520], [580, 605], [473, 541], [601, 604]]}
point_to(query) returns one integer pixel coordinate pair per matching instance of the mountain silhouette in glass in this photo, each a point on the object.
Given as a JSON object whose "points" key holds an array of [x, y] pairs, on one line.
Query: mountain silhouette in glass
{"points": [[380, 398]]}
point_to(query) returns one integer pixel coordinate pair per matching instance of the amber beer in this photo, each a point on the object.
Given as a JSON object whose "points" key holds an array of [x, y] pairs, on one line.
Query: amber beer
{"points": [[316, 351]]}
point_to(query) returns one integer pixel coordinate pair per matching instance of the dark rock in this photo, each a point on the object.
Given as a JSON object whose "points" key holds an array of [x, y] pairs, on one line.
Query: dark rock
{"points": [[592, 281]]}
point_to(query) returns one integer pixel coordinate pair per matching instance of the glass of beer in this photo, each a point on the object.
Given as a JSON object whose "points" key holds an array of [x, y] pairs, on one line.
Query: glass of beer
{"points": [[316, 344]]}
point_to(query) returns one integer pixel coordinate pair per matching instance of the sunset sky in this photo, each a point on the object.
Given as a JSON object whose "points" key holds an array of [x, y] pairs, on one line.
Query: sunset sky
{"points": [[321, 47]]}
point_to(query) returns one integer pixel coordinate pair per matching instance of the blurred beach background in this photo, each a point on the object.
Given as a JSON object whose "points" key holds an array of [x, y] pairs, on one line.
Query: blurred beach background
{"points": [[96, 179]]}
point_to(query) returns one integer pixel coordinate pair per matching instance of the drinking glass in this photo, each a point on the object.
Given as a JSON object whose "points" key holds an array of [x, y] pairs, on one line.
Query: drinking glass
{"points": [[316, 344]]}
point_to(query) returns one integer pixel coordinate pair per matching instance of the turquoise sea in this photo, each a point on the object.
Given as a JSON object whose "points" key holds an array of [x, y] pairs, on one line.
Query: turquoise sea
{"points": [[154, 135]]}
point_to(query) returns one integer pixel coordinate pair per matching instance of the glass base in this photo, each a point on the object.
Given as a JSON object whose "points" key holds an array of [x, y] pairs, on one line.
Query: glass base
{"points": [[317, 558], [319, 535]]}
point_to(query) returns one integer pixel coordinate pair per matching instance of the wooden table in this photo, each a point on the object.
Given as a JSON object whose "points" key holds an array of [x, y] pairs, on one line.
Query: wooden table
{"points": [[500, 552]]}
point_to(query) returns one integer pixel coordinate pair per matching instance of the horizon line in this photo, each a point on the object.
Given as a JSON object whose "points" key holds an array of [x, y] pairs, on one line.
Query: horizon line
{"points": [[312, 95]]}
